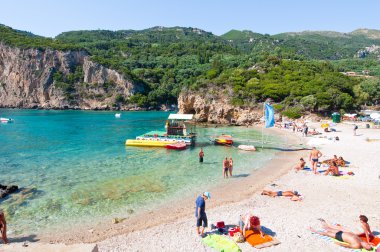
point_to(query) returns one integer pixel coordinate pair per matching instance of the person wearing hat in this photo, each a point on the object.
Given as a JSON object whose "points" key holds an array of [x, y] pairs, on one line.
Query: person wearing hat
{"points": [[200, 212], [3, 227], [250, 222]]}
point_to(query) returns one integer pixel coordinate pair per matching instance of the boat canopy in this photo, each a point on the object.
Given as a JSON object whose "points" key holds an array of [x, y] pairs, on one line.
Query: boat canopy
{"points": [[180, 116]]}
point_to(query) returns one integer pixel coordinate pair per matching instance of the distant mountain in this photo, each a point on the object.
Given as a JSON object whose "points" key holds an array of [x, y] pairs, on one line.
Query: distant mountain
{"points": [[370, 33]]}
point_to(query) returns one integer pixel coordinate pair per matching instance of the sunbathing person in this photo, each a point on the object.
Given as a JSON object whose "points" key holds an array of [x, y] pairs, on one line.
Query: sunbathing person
{"points": [[341, 162], [352, 239], [295, 196], [314, 132], [332, 170], [250, 222], [366, 230], [301, 165]]}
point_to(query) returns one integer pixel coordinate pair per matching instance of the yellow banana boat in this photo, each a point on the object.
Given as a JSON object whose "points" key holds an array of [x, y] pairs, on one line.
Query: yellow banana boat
{"points": [[148, 143]]}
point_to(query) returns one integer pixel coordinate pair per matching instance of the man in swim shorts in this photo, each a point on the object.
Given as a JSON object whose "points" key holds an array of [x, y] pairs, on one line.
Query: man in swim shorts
{"points": [[294, 195], [200, 212], [201, 155], [226, 167], [313, 157], [353, 240]]}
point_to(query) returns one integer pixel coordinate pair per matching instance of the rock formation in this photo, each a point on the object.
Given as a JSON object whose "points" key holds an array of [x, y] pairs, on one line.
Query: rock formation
{"points": [[6, 190], [28, 79], [214, 106]]}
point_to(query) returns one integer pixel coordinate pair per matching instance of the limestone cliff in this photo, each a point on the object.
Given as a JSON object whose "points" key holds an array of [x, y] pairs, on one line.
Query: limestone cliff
{"points": [[51, 79], [214, 106]]}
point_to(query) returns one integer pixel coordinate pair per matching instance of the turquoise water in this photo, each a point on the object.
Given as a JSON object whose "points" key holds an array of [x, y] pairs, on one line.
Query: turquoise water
{"points": [[73, 165]]}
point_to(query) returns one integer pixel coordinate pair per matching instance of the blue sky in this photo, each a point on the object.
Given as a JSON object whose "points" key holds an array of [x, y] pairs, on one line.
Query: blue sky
{"points": [[49, 18]]}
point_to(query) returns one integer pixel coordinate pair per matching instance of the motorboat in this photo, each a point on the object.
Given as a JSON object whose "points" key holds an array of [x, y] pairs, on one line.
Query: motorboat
{"points": [[176, 146], [247, 147], [6, 120], [223, 140]]}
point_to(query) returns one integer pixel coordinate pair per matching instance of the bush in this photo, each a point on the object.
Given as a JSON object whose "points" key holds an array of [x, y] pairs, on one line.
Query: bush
{"points": [[292, 113]]}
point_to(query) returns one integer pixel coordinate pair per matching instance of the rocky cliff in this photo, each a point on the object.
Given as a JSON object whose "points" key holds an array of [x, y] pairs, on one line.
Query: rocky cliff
{"points": [[214, 106], [51, 79]]}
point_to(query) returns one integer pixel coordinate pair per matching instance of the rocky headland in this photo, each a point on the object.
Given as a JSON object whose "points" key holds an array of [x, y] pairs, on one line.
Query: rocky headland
{"points": [[52, 79]]}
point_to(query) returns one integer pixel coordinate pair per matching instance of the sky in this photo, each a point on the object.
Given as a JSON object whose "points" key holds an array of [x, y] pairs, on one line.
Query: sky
{"points": [[49, 18]]}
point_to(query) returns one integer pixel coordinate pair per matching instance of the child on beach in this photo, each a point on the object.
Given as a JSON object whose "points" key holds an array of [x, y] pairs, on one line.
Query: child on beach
{"points": [[301, 165]]}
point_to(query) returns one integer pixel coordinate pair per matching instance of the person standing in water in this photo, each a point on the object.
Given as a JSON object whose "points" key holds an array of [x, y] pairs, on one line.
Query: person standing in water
{"points": [[231, 166], [226, 167], [201, 155], [314, 156]]}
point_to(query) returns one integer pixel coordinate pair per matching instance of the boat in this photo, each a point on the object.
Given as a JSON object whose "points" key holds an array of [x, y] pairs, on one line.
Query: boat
{"points": [[223, 140], [117, 115], [247, 147], [6, 120], [148, 143], [176, 146], [176, 132]]}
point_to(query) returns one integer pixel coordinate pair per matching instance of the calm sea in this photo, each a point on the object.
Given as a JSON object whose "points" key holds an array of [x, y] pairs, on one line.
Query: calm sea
{"points": [[73, 166]]}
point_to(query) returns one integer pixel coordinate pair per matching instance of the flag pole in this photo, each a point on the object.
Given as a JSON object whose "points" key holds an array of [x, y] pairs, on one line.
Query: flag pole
{"points": [[262, 128]]}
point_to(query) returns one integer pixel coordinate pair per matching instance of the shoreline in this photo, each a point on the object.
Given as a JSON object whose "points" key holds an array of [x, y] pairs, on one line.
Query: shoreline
{"points": [[231, 192]]}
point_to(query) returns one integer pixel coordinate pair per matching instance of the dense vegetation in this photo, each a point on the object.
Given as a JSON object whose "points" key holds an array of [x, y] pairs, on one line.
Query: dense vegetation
{"points": [[299, 71]]}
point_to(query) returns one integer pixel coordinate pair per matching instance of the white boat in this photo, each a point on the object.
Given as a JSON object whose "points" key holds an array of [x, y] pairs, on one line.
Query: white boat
{"points": [[6, 120], [247, 147], [117, 115]]}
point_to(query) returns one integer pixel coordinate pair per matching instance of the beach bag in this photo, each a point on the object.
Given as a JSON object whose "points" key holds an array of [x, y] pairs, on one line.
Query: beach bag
{"points": [[238, 237]]}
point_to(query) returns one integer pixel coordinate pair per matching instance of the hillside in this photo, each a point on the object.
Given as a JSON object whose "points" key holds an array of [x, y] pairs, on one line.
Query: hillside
{"points": [[164, 62]]}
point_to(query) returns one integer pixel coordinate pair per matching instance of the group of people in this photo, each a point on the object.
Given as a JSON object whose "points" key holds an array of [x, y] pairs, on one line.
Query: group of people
{"points": [[246, 221], [228, 165], [347, 237]]}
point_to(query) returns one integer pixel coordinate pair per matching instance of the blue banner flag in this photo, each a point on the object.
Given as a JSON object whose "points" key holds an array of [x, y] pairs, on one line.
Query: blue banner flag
{"points": [[269, 116]]}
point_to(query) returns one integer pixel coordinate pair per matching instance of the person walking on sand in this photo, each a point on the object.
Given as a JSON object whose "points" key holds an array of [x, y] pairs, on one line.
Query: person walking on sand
{"points": [[200, 212], [226, 167], [231, 166], [201, 155], [3, 227], [344, 237], [314, 156], [355, 128]]}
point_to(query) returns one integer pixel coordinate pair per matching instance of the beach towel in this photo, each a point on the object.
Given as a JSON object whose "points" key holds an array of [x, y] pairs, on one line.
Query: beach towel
{"points": [[309, 169], [254, 238], [375, 240], [221, 243], [329, 239]]}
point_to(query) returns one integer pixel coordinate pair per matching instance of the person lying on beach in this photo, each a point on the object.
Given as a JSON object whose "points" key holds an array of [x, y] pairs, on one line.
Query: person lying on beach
{"points": [[301, 165], [314, 132], [332, 170], [250, 222], [3, 227], [335, 232], [294, 195], [364, 228], [338, 161]]}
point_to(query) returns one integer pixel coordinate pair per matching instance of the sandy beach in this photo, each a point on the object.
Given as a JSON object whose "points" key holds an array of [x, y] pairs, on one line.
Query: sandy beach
{"points": [[340, 200], [332, 198]]}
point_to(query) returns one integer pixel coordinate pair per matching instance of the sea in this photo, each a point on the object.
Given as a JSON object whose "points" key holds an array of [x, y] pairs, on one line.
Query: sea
{"points": [[73, 168]]}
